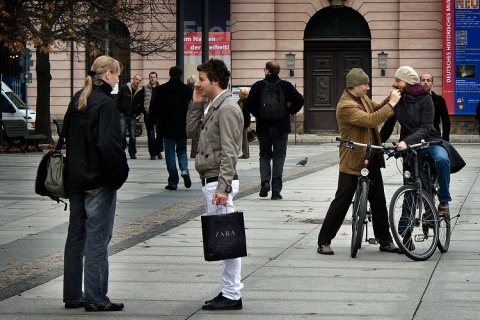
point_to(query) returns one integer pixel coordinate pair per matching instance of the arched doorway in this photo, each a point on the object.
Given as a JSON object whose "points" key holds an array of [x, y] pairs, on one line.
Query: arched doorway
{"points": [[335, 41]]}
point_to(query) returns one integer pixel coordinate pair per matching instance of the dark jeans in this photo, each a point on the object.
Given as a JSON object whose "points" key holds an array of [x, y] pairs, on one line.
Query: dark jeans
{"points": [[155, 142], [273, 148], [90, 229], [347, 184], [131, 124], [178, 147]]}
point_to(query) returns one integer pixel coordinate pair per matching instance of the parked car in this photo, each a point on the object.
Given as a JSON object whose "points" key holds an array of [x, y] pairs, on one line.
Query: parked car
{"points": [[14, 108]]}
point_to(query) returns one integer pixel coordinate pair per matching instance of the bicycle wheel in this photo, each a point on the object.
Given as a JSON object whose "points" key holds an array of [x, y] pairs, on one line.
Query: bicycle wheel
{"points": [[431, 186], [444, 227], [358, 217], [416, 235]]}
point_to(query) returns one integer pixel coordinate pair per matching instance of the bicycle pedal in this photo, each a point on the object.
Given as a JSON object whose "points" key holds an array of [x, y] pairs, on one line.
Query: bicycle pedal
{"points": [[372, 241]]}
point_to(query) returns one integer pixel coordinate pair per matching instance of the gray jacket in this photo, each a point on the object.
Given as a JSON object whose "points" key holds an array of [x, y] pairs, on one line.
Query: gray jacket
{"points": [[217, 154]]}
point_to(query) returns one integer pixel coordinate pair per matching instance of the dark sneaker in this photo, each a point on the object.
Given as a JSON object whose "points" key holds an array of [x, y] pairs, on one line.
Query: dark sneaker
{"points": [[160, 156], [74, 305], [153, 157], [389, 248], [214, 299], [110, 306], [443, 209], [222, 303], [170, 187], [132, 156], [276, 196], [264, 190], [186, 180], [325, 249]]}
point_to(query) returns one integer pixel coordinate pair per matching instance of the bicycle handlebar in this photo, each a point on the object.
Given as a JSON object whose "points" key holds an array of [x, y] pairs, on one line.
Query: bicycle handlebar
{"points": [[390, 151]]}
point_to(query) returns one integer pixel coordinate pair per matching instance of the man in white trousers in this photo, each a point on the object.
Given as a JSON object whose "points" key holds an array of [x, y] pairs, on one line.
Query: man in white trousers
{"points": [[216, 161]]}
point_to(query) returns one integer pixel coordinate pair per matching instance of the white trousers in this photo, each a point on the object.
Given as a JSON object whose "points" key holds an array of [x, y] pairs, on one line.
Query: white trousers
{"points": [[231, 268]]}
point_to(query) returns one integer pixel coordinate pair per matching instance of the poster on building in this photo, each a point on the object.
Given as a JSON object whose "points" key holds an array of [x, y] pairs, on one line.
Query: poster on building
{"points": [[218, 34], [461, 55]]}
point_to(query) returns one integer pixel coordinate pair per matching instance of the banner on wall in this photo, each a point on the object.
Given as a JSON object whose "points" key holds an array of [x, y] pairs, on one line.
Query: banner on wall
{"points": [[461, 55], [218, 34]]}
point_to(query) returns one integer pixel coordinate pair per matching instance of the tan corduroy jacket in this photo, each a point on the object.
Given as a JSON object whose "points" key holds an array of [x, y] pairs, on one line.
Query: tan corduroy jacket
{"points": [[359, 126]]}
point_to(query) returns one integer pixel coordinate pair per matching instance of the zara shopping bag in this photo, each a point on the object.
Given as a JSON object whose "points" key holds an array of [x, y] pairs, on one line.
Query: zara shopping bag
{"points": [[224, 236]]}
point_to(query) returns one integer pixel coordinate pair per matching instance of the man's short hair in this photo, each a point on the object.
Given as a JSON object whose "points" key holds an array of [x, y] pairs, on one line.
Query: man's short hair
{"points": [[216, 71], [175, 72], [273, 67]]}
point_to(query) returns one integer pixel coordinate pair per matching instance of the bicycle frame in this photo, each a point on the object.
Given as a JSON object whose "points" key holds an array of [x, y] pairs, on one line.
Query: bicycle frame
{"points": [[413, 216], [361, 215]]}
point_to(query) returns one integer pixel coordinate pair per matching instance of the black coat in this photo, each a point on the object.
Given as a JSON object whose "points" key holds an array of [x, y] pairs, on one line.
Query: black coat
{"points": [[169, 105], [292, 96], [441, 113], [95, 155], [415, 114]]}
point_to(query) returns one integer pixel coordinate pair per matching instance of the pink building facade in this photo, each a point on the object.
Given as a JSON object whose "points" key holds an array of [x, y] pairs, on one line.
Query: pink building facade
{"points": [[327, 41]]}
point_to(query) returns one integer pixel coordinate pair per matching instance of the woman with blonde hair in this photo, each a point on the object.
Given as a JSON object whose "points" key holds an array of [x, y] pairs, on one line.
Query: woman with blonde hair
{"points": [[243, 94], [96, 168]]}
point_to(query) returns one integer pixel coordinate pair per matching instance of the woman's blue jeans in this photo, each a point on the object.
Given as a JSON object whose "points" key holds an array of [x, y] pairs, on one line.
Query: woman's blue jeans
{"points": [[90, 229], [442, 164]]}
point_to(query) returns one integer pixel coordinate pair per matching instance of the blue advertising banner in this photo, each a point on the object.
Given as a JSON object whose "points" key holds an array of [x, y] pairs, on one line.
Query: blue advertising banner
{"points": [[461, 55]]}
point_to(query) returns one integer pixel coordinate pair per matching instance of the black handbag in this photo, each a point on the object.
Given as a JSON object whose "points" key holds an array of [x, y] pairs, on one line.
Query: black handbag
{"points": [[224, 236], [51, 172]]}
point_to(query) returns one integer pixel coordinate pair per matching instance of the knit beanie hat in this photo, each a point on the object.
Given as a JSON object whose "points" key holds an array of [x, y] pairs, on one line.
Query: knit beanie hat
{"points": [[407, 74], [356, 77]]}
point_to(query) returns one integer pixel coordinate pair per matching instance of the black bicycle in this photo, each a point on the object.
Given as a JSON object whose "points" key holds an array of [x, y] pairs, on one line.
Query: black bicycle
{"points": [[413, 216], [361, 214]]}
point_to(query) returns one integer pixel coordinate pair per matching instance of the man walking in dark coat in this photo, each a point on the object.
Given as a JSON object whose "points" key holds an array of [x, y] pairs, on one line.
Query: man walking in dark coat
{"points": [[169, 105], [129, 113], [273, 134]]}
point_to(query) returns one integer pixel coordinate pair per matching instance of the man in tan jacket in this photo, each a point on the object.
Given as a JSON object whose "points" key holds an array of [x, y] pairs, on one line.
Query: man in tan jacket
{"points": [[358, 118]]}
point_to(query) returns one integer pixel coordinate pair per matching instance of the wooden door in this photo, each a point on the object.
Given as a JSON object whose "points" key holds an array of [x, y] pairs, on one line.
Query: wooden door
{"points": [[325, 70]]}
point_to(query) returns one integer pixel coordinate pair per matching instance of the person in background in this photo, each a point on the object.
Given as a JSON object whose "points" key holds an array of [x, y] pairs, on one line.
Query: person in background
{"points": [[129, 112], [243, 94], [143, 98], [358, 118], [273, 134], [191, 80], [415, 113], [169, 105], [219, 137], [96, 168], [441, 110]]}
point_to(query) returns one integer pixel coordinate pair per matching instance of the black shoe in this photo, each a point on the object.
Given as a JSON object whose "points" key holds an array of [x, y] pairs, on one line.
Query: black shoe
{"points": [[160, 156], [132, 156], [170, 187], [264, 190], [74, 305], [153, 157], [276, 196], [214, 299], [222, 303], [110, 306], [390, 247], [186, 180]]}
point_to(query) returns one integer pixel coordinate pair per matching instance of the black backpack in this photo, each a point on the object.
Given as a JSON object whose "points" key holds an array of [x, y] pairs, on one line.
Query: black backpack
{"points": [[273, 106]]}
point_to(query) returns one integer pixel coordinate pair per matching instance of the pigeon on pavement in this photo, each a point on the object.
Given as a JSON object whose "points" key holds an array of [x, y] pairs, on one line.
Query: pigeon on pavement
{"points": [[303, 162]]}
